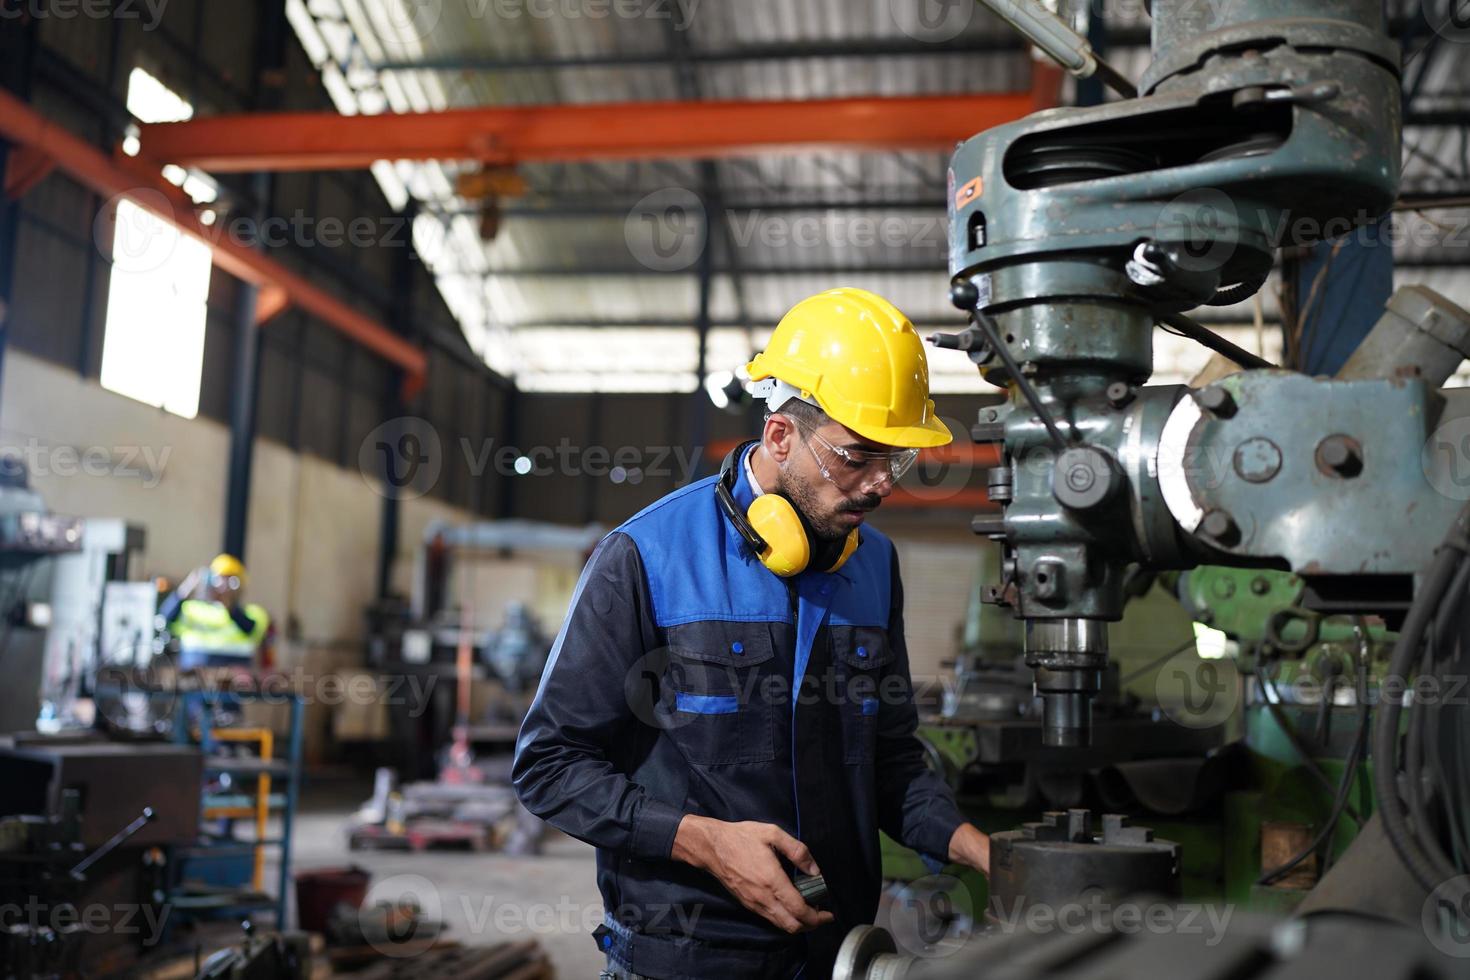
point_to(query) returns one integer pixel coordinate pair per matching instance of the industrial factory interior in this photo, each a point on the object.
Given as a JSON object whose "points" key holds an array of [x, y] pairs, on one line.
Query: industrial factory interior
{"points": [[703, 489]]}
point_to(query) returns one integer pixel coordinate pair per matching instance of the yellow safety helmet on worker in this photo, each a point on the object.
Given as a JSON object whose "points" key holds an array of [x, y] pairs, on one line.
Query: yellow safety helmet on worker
{"points": [[227, 567], [855, 356]]}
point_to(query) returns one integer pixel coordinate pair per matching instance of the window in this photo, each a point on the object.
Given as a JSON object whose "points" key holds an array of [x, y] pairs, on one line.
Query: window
{"points": [[153, 347]]}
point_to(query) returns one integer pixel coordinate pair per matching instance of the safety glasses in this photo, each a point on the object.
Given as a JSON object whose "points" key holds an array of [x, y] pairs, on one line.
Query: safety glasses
{"points": [[852, 469]]}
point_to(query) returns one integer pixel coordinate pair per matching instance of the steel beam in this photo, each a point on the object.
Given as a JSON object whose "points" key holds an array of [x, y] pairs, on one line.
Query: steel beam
{"points": [[583, 206], [854, 48], [139, 181], [296, 141], [270, 57]]}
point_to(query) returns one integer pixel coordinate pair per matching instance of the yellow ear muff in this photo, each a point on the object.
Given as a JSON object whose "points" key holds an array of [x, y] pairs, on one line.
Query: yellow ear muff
{"points": [[787, 548], [848, 547]]}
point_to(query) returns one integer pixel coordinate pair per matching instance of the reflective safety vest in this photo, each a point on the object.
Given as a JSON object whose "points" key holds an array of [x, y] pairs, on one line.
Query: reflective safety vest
{"points": [[206, 627]]}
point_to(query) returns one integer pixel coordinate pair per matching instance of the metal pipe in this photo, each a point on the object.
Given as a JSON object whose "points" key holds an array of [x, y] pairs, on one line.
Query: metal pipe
{"points": [[1060, 43]]}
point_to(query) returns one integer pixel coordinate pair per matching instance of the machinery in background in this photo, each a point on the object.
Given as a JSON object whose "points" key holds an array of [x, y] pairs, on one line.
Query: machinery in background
{"points": [[1159, 938], [99, 618], [987, 738], [435, 641], [87, 834], [31, 540], [516, 653], [1073, 233], [452, 754], [1283, 500]]}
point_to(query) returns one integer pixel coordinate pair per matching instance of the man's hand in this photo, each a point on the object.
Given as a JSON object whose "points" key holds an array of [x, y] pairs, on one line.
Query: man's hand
{"points": [[743, 856], [970, 847]]}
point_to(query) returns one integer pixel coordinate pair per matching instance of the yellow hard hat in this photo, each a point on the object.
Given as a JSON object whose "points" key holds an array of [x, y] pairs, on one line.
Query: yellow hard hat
{"points": [[861, 360], [228, 566]]}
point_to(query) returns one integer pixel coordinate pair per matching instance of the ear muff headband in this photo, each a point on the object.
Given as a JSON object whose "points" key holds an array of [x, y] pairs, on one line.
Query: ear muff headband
{"points": [[772, 527]]}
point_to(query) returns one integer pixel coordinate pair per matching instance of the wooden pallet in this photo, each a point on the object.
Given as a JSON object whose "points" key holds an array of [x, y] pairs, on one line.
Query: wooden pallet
{"points": [[524, 960], [420, 835]]}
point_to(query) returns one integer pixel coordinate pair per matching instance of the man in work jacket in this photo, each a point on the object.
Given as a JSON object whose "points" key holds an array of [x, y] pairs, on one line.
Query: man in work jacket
{"points": [[729, 701]]}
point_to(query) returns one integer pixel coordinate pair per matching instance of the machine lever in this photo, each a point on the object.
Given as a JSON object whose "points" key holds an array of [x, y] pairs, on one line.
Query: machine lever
{"points": [[1060, 43], [113, 843]]}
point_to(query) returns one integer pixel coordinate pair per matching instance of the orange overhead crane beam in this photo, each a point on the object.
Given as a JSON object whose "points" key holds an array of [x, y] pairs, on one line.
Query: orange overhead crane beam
{"points": [[47, 144], [617, 131], [279, 142]]}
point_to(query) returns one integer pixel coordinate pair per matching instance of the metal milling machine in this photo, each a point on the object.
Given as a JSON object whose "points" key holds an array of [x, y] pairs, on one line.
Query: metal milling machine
{"points": [[1073, 233]]}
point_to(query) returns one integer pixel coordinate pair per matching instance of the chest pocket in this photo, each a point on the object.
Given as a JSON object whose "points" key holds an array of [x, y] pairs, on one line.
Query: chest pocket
{"points": [[718, 696], [862, 657]]}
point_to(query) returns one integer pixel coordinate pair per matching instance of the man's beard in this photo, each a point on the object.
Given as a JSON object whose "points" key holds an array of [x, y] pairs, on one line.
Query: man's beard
{"points": [[824, 526]]}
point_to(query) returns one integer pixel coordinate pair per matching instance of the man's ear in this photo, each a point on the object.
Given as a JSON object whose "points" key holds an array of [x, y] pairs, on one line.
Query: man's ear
{"points": [[779, 436]]}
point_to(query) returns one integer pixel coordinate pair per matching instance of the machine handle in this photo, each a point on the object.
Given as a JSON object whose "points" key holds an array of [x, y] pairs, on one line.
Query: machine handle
{"points": [[116, 841]]}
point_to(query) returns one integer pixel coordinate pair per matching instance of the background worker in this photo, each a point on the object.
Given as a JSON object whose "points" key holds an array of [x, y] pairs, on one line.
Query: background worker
{"points": [[212, 624]]}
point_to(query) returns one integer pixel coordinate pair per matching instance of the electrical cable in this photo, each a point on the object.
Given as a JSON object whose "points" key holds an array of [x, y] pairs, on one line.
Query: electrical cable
{"points": [[1304, 751], [1444, 796], [1456, 784], [1156, 662], [1443, 570], [1413, 784], [1201, 334], [1349, 774], [1309, 326], [1241, 291]]}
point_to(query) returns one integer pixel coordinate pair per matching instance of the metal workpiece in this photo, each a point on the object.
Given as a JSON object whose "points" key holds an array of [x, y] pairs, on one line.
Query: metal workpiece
{"points": [[1348, 481], [1201, 943], [1420, 333], [870, 953], [1061, 859]]}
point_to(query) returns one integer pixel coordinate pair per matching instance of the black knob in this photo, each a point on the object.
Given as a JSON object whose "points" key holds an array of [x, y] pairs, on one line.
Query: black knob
{"points": [[813, 889], [964, 295]]}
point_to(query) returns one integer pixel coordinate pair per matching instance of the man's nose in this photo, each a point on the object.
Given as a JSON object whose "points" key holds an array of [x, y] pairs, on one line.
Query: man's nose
{"points": [[882, 484]]}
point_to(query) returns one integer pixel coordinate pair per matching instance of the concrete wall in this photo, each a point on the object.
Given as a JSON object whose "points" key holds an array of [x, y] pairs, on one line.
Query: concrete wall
{"points": [[314, 526]]}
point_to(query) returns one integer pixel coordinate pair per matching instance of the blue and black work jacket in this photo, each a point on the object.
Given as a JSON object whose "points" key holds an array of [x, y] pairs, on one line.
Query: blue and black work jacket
{"points": [[690, 679]]}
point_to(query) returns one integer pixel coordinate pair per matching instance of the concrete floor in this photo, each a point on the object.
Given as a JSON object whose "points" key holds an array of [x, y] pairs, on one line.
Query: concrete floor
{"points": [[484, 898]]}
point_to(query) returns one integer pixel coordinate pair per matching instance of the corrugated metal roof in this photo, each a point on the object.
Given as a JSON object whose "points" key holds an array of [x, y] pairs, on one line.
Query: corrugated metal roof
{"points": [[525, 299]]}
